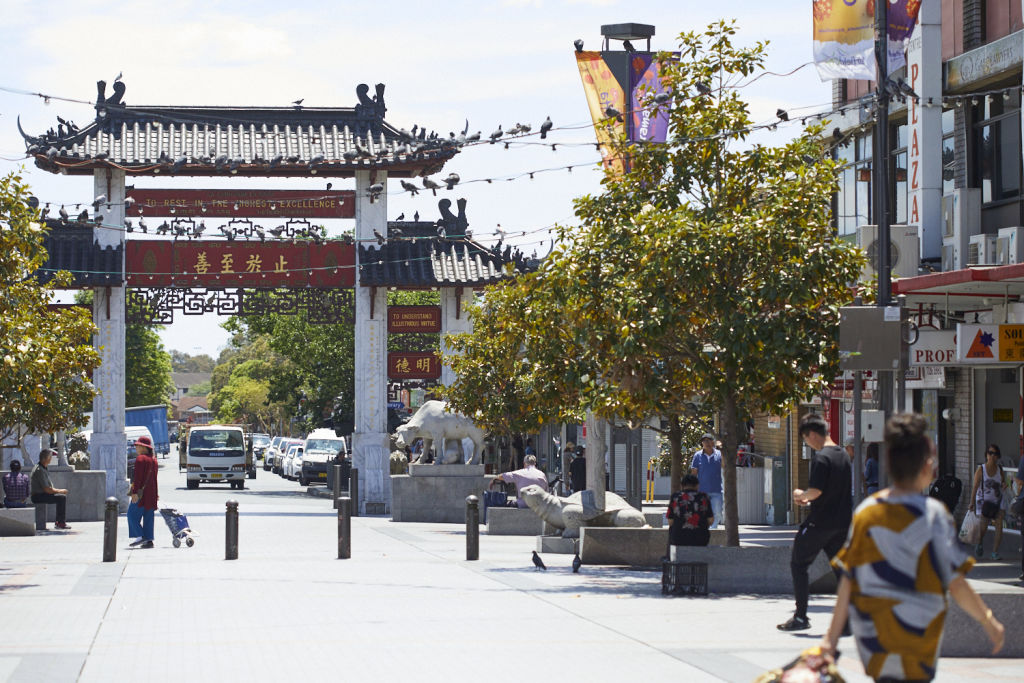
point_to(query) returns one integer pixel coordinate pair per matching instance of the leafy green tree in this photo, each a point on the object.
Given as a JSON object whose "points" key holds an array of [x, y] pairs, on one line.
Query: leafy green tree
{"points": [[183, 362], [709, 273], [147, 365], [46, 355], [514, 371]]}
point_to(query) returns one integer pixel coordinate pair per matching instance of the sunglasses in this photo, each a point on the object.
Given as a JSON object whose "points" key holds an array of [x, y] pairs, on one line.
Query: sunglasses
{"points": [[991, 453]]}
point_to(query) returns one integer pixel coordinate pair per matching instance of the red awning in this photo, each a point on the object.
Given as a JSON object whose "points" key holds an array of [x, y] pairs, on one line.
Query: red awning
{"points": [[975, 288]]}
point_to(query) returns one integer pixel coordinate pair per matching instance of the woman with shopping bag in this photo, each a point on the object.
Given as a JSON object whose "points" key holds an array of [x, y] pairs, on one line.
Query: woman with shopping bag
{"points": [[987, 494]]}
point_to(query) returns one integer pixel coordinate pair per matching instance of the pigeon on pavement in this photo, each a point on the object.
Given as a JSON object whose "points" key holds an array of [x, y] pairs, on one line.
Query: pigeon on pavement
{"points": [[537, 562]]}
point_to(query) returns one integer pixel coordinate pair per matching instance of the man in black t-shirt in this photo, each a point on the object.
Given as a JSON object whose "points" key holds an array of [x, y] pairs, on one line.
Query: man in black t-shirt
{"points": [[829, 497]]}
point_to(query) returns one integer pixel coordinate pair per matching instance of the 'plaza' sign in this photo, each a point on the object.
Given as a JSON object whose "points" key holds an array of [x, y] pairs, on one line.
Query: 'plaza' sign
{"points": [[414, 319]]}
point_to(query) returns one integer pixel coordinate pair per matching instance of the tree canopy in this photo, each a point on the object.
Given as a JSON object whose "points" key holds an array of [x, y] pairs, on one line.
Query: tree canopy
{"points": [[46, 351], [707, 275]]}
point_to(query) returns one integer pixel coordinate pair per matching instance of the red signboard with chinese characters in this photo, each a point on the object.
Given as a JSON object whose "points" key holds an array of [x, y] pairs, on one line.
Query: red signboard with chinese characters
{"points": [[218, 264], [243, 203], [414, 319], [413, 365]]}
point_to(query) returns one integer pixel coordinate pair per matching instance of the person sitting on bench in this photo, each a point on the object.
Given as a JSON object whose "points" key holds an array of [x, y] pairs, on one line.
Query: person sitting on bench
{"points": [[691, 514], [15, 487], [43, 491]]}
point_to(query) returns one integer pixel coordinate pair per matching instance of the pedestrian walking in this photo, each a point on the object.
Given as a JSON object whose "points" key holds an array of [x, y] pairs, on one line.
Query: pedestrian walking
{"points": [[143, 494], [898, 563], [829, 497], [706, 464], [987, 494]]}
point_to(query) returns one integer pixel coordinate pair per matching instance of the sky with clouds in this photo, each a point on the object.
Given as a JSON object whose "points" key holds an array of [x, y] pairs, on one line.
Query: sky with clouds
{"points": [[491, 63]]}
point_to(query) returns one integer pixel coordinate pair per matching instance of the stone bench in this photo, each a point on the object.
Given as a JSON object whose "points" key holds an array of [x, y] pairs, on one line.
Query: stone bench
{"points": [[747, 569], [964, 637], [629, 546], [18, 521], [86, 497], [513, 522]]}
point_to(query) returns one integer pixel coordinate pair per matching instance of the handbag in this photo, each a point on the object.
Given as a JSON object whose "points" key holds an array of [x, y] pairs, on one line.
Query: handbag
{"points": [[990, 509], [970, 530]]}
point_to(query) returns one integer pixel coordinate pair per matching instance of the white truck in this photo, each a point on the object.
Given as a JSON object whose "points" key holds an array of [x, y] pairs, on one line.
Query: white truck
{"points": [[318, 453], [216, 454]]}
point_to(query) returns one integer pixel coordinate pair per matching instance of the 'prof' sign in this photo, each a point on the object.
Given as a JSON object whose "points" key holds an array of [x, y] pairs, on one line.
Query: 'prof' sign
{"points": [[934, 347]]}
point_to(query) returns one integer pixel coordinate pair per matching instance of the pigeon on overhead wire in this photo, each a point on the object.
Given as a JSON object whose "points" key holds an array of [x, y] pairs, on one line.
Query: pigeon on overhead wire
{"points": [[375, 191], [452, 180], [128, 226], [410, 188], [199, 229], [163, 228], [63, 214], [129, 202], [576, 564], [612, 113], [277, 232], [178, 163], [143, 226], [98, 202], [515, 130], [782, 114], [474, 137], [537, 562], [431, 185], [380, 238], [83, 217], [662, 98], [702, 88], [497, 134], [545, 127]]}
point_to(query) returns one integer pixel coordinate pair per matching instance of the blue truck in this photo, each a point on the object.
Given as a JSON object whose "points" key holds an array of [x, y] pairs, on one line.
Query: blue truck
{"points": [[155, 418]]}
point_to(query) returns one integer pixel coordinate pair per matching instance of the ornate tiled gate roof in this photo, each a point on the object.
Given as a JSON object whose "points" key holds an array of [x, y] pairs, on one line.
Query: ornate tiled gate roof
{"points": [[291, 141]]}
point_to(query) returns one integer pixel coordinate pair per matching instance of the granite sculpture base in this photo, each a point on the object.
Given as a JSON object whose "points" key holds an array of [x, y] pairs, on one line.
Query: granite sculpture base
{"points": [[86, 493], [436, 493]]}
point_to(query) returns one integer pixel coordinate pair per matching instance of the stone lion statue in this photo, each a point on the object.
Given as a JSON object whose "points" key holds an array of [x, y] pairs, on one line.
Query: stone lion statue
{"points": [[432, 422], [567, 513]]}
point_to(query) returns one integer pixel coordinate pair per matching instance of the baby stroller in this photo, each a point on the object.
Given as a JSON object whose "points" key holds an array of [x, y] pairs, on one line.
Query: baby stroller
{"points": [[178, 525]]}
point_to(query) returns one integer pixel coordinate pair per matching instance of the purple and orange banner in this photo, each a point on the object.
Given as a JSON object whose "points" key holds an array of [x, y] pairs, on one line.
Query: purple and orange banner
{"points": [[644, 83], [844, 36], [603, 91]]}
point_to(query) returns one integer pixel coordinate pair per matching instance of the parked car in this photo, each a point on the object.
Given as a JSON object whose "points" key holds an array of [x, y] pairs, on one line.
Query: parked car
{"points": [[260, 444], [319, 452], [268, 455], [286, 465], [282, 450]]}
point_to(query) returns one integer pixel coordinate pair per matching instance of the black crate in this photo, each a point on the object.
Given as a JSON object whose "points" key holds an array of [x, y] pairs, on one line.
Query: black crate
{"points": [[684, 578]]}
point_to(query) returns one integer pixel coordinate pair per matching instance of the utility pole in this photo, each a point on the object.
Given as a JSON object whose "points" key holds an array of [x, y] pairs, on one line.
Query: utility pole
{"points": [[880, 168]]}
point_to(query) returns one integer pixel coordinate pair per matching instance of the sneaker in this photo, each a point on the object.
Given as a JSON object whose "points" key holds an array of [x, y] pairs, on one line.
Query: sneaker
{"points": [[995, 556], [146, 544], [61, 526], [978, 550], [795, 623]]}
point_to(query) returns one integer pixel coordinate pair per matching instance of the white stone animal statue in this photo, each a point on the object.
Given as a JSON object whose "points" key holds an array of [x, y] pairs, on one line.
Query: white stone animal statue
{"points": [[567, 513], [432, 422]]}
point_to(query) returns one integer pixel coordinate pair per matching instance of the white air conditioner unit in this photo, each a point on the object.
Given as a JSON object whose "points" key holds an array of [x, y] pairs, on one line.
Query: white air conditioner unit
{"points": [[961, 218], [981, 250], [1010, 246], [904, 254]]}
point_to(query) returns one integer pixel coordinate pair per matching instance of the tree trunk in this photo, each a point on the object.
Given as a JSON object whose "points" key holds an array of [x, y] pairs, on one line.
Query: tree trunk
{"points": [[730, 444], [675, 449]]}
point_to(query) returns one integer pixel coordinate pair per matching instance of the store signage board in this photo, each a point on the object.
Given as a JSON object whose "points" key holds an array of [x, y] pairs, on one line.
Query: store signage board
{"points": [[414, 319], [989, 344], [213, 203], [934, 347], [413, 365]]}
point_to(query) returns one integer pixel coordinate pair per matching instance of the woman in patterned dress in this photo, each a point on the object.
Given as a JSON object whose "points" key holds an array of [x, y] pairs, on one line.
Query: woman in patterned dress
{"points": [[900, 559]]}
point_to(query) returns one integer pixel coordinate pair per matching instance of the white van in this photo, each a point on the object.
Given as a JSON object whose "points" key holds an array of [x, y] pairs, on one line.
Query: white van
{"points": [[216, 454], [319, 451], [132, 435]]}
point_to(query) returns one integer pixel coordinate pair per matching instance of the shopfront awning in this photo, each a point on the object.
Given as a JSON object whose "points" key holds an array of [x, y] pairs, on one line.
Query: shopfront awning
{"points": [[970, 289]]}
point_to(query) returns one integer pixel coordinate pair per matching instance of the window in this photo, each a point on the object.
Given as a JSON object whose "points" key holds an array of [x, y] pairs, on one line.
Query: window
{"points": [[948, 152], [997, 150], [853, 200]]}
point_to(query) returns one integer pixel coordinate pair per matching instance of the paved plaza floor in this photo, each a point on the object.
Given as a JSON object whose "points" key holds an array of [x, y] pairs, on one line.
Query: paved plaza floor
{"points": [[406, 606]]}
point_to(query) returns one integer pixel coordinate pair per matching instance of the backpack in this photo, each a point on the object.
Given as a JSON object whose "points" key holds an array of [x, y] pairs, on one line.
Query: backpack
{"points": [[947, 489]]}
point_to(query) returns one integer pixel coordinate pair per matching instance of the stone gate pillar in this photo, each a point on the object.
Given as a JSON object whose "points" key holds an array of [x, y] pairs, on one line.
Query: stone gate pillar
{"points": [[370, 447], [453, 321], [107, 448]]}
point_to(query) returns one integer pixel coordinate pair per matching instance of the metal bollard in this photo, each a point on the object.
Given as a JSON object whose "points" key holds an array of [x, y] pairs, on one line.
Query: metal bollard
{"points": [[231, 531], [472, 528], [344, 528], [337, 484], [353, 491], [110, 530]]}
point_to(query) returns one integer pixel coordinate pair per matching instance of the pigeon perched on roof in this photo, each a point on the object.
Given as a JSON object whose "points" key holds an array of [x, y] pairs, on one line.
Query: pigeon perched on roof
{"points": [[537, 562], [178, 163], [143, 226], [410, 188]]}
